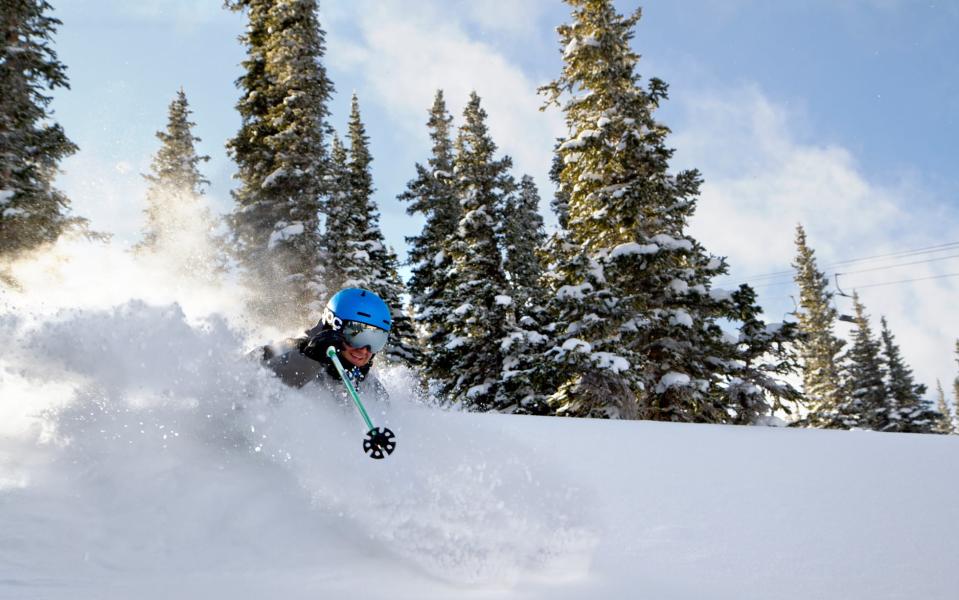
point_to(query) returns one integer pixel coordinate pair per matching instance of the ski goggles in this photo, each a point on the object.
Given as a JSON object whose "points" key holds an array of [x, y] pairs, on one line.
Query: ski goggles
{"points": [[361, 335]]}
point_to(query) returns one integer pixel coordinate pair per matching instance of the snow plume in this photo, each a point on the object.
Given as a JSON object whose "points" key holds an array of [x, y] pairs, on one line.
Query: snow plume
{"points": [[440, 501], [138, 445], [75, 274], [180, 234]]}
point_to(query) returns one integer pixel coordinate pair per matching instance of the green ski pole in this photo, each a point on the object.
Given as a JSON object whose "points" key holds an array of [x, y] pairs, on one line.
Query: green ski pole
{"points": [[379, 442]]}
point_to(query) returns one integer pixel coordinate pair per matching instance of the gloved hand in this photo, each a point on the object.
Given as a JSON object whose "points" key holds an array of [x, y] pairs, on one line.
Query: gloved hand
{"points": [[316, 346]]}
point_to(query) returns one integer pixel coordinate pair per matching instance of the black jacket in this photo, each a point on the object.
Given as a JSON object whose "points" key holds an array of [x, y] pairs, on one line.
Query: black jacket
{"points": [[301, 360]]}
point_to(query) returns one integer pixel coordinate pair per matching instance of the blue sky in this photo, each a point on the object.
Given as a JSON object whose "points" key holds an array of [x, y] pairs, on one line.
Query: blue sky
{"points": [[841, 115]]}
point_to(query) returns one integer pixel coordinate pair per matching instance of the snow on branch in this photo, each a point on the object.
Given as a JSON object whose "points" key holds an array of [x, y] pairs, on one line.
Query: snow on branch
{"points": [[613, 362], [670, 243], [282, 235], [576, 292], [633, 248], [672, 379]]}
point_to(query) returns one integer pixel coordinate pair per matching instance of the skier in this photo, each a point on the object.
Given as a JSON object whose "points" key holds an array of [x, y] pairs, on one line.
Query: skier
{"points": [[356, 323]]}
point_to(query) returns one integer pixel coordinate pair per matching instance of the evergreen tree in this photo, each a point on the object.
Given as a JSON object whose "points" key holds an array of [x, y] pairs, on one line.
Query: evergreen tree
{"points": [[357, 222], [482, 319], [908, 410], [32, 211], [339, 213], [403, 345], [368, 262], [955, 386], [944, 424], [560, 201], [767, 356], [865, 403], [819, 348], [531, 369], [431, 194], [177, 223], [635, 324], [523, 235], [281, 154]]}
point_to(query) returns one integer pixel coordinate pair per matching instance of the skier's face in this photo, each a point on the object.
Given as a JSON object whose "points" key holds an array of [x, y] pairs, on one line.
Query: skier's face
{"points": [[357, 356]]}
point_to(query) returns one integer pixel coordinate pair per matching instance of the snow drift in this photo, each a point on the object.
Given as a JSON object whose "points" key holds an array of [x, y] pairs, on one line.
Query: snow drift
{"points": [[141, 455]]}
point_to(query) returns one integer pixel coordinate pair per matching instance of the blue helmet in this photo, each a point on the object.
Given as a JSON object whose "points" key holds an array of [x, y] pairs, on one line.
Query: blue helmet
{"points": [[360, 306]]}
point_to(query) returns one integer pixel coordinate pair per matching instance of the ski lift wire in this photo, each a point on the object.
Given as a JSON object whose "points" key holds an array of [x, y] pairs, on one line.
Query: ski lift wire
{"points": [[869, 270], [903, 253], [906, 264], [869, 285]]}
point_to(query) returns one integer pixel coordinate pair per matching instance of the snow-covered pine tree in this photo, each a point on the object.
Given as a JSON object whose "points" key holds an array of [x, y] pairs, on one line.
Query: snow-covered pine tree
{"points": [[404, 345], [177, 222], [766, 354], [522, 235], [955, 387], [32, 211], [369, 263], [909, 410], [636, 332], [866, 403], [944, 424], [560, 201], [530, 373], [575, 313], [482, 317], [356, 217], [431, 193], [338, 223], [281, 154], [819, 348], [591, 369]]}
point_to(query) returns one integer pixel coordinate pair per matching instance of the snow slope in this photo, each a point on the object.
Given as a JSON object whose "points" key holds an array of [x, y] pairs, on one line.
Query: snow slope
{"points": [[142, 457]]}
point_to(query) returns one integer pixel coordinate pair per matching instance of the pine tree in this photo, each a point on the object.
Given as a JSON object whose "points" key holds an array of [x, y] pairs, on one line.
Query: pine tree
{"points": [[944, 424], [560, 201], [531, 371], [636, 331], [767, 357], [357, 218], [819, 348], [431, 193], [955, 387], [338, 225], [177, 223], [403, 346], [482, 319], [908, 411], [523, 235], [32, 211], [522, 238], [865, 402], [281, 154], [368, 262]]}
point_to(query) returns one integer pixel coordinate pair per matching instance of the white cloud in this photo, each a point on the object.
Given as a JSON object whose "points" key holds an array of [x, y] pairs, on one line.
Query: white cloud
{"points": [[515, 18], [403, 57], [761, 179]]}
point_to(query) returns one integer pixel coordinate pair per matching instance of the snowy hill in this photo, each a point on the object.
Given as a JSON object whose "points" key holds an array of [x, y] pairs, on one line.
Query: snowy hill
{"points": [[140, 456]]}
